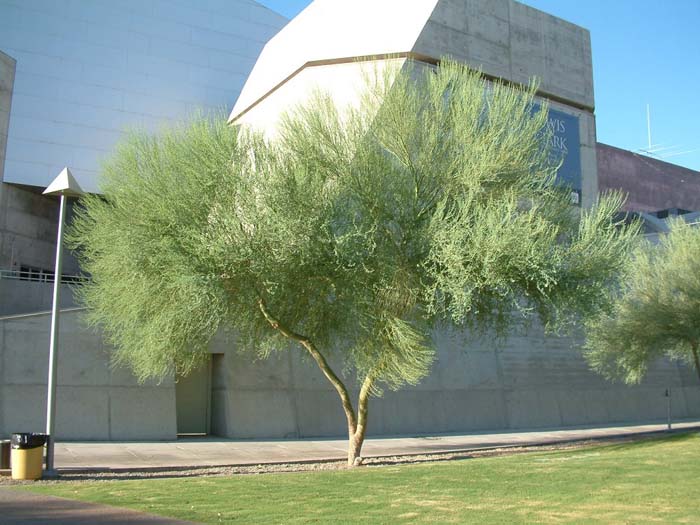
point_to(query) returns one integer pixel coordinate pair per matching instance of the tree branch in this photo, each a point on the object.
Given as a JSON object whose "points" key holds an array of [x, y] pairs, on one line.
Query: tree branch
{"points": [[320, 361], [362, 402]]}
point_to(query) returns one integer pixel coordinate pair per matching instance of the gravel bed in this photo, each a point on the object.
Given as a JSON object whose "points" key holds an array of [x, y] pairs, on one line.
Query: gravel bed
{"points": [[373, 462]]}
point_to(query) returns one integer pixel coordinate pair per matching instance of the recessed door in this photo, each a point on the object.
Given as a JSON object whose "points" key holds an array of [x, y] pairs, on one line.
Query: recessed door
{"points": [[192, 398]]}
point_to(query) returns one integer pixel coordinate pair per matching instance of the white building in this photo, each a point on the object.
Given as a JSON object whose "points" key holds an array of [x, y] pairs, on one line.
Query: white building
{"points": [[86, 70], [161, 58], [74, 74]]}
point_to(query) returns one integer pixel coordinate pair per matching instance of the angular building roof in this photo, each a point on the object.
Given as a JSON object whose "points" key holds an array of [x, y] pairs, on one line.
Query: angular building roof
{"points": [[503, 38], [331, 29]]}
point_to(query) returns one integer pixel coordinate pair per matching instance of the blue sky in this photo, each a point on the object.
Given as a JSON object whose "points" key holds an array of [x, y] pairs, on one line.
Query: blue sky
{"points": [[644, 52]]}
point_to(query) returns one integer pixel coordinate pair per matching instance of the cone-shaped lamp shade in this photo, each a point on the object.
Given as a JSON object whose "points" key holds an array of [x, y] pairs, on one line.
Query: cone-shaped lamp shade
{"points": [[64, 184]]}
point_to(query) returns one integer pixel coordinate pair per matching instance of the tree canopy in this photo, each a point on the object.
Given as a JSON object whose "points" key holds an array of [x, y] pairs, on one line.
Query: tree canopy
{"points": [[656, 310], [352, 232]]}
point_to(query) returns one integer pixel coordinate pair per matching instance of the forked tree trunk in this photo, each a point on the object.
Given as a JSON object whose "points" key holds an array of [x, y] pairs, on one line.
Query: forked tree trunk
{"points": [[357, 423], [357, 438]]}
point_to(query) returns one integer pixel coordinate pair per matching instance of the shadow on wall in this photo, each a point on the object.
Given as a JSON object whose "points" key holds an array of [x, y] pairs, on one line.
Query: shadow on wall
{"points": [[94, 400], [529, 381], [29, 297]]}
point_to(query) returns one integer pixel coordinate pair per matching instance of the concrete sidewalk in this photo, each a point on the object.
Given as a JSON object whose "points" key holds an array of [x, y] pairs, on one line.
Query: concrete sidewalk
{"points": [[209, 452]]}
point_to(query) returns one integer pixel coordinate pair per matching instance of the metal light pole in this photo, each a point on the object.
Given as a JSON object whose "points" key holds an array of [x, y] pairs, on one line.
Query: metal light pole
{"points": [[668, 408], [65, 186]]}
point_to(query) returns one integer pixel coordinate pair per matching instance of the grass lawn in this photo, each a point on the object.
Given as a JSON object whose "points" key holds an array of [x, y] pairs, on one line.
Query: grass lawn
{"points": [[650, 481]]}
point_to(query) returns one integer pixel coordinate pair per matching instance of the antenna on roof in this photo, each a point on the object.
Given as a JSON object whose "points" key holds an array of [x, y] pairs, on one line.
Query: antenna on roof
{"points": [[648, 127], [661, 151]]}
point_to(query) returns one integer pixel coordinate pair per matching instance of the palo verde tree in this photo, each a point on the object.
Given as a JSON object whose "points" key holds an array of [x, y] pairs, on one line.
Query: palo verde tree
{"points": [[655, 311], [351, 234]]}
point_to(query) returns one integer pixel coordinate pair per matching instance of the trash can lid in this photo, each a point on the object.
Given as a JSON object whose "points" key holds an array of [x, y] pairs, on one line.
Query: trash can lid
{"points": [[24, 440]]}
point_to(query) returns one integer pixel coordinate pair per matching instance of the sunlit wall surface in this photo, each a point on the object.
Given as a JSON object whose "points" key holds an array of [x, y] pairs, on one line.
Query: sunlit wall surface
{"points": [[88, 69]]}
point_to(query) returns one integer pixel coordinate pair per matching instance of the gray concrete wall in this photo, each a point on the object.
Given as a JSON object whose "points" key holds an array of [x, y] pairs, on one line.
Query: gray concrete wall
{"points": [[30, 297], [511, 41], [28, 229], [507, 39], [528, 381], [94, 400]]}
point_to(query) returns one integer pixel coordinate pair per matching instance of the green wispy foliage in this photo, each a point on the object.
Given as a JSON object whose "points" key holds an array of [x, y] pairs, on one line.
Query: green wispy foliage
{"points": [[656, 311], [352, 232]]}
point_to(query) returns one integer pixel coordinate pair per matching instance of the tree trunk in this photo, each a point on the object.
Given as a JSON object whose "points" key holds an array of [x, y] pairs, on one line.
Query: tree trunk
{"points": [[357, 423], [354, 451], [357, 438], [696, 358]]}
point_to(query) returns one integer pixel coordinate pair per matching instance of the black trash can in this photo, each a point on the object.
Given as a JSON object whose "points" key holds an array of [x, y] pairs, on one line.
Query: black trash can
{"points": [[4, 453], [27, 456]]}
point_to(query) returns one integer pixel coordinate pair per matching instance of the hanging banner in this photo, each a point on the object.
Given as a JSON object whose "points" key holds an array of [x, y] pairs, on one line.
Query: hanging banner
{"points": [[566, 148]]}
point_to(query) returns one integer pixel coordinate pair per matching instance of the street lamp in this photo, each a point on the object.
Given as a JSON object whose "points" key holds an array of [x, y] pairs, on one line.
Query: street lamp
{"points": [[65, 186]]}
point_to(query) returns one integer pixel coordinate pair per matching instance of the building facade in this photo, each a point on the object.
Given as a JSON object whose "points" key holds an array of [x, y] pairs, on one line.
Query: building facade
{"points": [[528, 381], [506, 40], [87, 70], [74, 74], [531, 380]]}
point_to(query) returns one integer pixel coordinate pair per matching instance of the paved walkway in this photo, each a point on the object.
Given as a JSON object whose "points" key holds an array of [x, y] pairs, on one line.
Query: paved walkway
{"points": [[207, 452], [24, 508]]}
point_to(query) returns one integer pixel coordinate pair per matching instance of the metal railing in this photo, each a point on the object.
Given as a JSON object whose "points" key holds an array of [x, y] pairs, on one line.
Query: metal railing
{"points": [[40, 276]]}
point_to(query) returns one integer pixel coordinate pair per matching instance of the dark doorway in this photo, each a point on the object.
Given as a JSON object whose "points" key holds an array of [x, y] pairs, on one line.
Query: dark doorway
{"points": [[193, 401]]}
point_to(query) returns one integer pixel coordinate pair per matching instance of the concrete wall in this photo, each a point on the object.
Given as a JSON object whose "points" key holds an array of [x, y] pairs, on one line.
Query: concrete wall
{"points": [[529, 381], [86, 69], [94, 400], [651, 184], [509, 40], [30, 297], [28, 229]]}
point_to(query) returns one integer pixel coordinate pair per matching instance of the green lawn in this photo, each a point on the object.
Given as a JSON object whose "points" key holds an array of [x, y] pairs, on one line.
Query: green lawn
{"points": [[649, 481]]}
